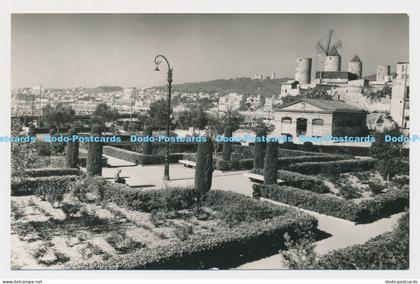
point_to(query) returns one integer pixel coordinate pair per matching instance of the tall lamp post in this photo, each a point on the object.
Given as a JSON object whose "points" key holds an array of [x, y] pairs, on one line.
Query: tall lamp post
{"points": [[168, 111]]}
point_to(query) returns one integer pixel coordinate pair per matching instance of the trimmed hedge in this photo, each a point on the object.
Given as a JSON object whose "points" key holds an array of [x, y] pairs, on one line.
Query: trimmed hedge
{"points": [[386, 251], [141, 159], [38, 185], [305, 182], [47, 172], [343, 166], [285, 162], [383, 205], [226, 249]]}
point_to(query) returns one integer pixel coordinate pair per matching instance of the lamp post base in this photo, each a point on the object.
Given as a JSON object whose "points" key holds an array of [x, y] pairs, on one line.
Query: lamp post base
{"points": [[166, 177]]}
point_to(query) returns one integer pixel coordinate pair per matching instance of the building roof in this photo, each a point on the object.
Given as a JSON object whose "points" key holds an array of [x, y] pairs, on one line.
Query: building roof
{"points": [[356, 59], [327, 105]]}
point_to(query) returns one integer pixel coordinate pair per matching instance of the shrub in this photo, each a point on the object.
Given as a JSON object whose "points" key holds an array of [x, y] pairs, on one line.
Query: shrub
{"points": [[383, 205], [40, 185], [376, 187], [310, 183], [94, 158], [259, 149], [89, 189], [270, 163], [47, 172], [386, 251], [227, 146], [344, 166], [204, 167], [227, 249], [286, 162], [72, 151], [147, 146]]}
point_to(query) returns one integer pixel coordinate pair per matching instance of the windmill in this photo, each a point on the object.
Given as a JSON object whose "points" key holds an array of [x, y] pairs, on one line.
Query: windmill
{"points": [[328, 46]]}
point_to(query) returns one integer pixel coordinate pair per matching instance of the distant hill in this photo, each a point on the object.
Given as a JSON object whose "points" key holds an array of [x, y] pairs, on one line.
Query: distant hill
{"points": [[246, 86], [107, 89]]}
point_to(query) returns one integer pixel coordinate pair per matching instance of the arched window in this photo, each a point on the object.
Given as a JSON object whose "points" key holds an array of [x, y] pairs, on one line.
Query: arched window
{"points": [[286, 119], [317, 121]]}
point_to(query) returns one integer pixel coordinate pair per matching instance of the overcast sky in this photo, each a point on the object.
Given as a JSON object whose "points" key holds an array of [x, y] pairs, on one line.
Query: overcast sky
{"points": [[88, 50]]}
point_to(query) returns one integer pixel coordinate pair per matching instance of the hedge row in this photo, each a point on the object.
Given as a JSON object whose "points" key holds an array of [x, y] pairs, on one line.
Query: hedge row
{"points": [[227, 249], [343, 166], [47, 172], [305, 182], [138, 157], [386, 251], [286, 162], [382, 205], [37, 185]]}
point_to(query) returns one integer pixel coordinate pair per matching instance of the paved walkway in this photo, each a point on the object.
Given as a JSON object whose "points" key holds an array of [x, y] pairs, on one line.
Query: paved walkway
{"points": [[344, 233]]}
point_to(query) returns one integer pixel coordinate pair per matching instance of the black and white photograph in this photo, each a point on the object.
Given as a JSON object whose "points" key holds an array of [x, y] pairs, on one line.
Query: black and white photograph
{"points": [[175, 141]]}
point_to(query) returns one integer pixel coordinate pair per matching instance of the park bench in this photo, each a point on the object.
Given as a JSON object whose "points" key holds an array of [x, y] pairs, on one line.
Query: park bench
{"points": [[259, 178], [187, 163]]}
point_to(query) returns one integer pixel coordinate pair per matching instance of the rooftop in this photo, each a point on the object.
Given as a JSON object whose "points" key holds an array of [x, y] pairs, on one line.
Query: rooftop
{"points": [[327, 105]]}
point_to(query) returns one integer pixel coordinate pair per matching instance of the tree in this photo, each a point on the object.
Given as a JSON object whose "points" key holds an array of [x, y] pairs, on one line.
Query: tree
{"points": [[147, 146], [195, 118], [94, 159], [104, 113], [270, 163], [72, 151], [231, 118], [203, 169], [157, 113], [259, 148], [387, 154], [23, 156], [58, 115], [227, 146]]}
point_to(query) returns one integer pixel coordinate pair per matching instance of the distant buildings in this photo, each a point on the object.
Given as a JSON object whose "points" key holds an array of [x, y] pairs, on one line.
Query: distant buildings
{"points": [[400, 107]]}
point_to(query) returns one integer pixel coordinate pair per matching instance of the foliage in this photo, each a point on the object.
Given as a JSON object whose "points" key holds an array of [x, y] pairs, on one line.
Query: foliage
{"points": [[227, 146], [148, 146], [139, 158], [259, 148], [195, 117], [157, 114], [94, 158], [23, 156], [383, 205], [72, 151], [388, 155], [270, 163], [300, 253], [343, 166], [287, 162], [58, 115], [204, 167], [387, 251], [377, 95], [104, 113], [313, 93], [47, 172], [89, 189], [231, 118]]}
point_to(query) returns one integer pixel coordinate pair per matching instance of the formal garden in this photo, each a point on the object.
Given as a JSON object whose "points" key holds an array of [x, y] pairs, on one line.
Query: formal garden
{"points": [[66, 216]]}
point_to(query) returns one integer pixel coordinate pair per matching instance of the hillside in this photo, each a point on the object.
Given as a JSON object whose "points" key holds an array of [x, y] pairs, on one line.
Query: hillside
{"points": [[266, 87]]}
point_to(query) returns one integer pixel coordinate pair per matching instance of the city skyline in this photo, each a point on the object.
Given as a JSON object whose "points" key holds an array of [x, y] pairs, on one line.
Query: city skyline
{"points": [[88, 50]]}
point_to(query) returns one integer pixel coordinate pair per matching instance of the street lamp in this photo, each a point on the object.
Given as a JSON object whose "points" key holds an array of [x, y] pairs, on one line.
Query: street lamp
{"points": [[168, 111]]}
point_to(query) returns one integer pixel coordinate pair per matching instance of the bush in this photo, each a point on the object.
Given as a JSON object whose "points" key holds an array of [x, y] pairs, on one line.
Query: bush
{"points": [[72, 151], [386, 251], [270, 163], [204, 167], [147, 146], [226, 249], [259, 149], [47, 172], [383, 205], [94, 158], [310, 183], [344, 166], [227, 146], [38, 185], [286, 162]]}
